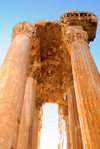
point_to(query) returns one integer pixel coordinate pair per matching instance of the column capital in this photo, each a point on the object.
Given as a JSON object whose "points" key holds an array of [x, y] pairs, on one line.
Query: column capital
{"points": [[24, 28], [75, 35], [87, 20]]}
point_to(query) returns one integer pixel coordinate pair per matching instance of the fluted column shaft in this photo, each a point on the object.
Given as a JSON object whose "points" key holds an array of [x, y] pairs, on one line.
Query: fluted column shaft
{"points": [[87, 90], [73, 119], [68, 138], [27, 114], [13, 75], [35, 130], [67, 132]]}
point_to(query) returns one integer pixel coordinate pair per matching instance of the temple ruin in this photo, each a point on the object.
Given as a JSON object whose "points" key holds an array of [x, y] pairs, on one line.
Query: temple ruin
{"points": [[50, 61]]}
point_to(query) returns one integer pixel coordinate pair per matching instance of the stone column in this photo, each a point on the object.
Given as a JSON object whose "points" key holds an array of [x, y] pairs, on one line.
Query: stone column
{"points": [[87, 87], [67, 132], [73, 121], [27, 114], [36, 127], [68, 138], [13, 75]]}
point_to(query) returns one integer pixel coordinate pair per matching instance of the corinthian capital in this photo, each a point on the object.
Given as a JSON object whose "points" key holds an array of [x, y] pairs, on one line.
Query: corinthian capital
{"points": [[74, 34], [24, 28]]}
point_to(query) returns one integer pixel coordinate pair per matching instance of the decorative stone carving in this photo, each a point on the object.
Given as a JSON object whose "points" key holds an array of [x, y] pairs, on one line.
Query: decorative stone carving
{"points": [[25, 28], [74, 34], [60, 61], [47, 67], [87, 20]]}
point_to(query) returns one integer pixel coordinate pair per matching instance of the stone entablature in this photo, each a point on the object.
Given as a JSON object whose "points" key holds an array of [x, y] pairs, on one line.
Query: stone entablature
{"points": [[87, 20], [50, 61]]}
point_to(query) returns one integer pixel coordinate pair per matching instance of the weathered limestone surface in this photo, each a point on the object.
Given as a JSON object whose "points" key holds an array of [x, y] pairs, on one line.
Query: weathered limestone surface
{"points": [[50, 87], [62, 126], [86, 20], [35, 130], [73, 120], [53, 54], [27, 114], [87, 89], [13, 75], [85, 75], [68, 145]]}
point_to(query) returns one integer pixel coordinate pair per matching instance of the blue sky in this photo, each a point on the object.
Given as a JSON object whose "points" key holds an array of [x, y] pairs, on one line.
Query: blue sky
{"points": [[14, 11]]}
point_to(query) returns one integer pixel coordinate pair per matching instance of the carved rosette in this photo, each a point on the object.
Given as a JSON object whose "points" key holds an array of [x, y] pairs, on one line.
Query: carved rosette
{"points": [[73, 35], [25, 28]]}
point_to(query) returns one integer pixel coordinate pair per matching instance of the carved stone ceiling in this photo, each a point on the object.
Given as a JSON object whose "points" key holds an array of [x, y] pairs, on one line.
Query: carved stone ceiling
{"points": [[47, 63]]}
